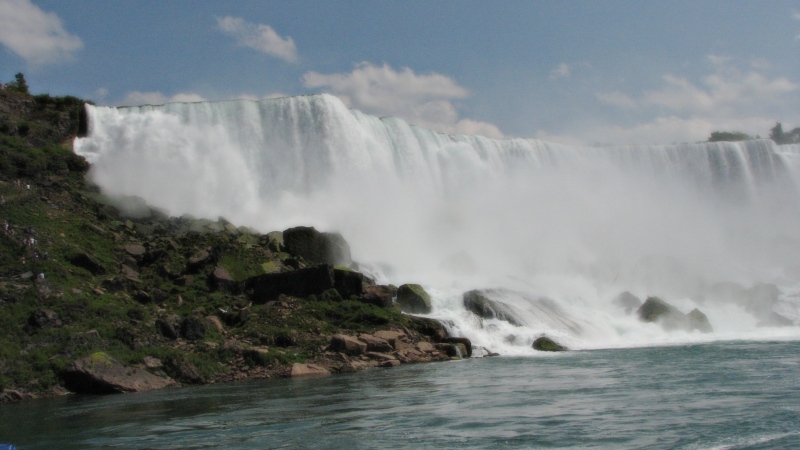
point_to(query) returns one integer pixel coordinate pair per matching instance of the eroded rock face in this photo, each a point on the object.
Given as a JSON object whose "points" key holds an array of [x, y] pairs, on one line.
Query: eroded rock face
{"points": [[101, 374], [413, 299], [297, 283]]}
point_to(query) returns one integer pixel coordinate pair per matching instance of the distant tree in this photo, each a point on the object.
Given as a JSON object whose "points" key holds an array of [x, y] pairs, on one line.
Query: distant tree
{"points": [[20, 85], [777, 134], [728, 136]]}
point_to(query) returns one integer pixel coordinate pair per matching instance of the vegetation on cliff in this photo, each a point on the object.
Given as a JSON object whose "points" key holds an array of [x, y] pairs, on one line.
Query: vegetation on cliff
{"points": [[185, 299]]}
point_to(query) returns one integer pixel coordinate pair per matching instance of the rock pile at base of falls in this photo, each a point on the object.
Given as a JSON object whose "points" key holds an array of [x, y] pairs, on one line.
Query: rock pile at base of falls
{"points": [[478, 302], [413, 299], [670, 318]]}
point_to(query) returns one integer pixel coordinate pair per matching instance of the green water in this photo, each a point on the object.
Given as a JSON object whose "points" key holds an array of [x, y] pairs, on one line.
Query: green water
{"points": [[721, 395]]}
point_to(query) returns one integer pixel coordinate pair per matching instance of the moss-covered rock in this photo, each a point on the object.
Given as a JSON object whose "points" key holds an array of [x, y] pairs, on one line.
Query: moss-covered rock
{"points": [[413, 299]]}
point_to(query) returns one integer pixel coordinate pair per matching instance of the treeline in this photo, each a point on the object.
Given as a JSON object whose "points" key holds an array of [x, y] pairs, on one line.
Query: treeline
{"points": [[776, 133]]}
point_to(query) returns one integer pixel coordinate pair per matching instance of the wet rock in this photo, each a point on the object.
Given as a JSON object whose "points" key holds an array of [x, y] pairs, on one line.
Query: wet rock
{"points": [[478, 302], [347, 345], [655, 309], [377, 295], [306, 370], [316, 247], [413, 299], [428, 327], [628, 302], [99, 373], [545, 344], [463, 341], [698, 321]]}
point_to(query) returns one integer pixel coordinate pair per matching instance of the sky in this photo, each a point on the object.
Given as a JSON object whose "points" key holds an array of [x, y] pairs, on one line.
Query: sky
{"points": [[579, 72]]}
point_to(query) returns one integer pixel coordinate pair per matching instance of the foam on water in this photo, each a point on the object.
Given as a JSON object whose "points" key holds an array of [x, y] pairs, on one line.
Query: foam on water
{"points": [[561, 229]]}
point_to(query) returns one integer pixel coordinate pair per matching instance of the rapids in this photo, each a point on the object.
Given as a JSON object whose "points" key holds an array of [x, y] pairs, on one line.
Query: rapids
{"points": [[558, 231]]}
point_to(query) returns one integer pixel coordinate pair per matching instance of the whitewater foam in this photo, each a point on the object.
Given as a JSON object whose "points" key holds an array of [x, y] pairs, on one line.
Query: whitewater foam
{"points": [[573, 225]]}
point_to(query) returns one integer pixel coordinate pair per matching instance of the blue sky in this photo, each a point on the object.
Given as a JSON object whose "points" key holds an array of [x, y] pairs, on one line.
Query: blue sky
{"points": [[577, 72]]}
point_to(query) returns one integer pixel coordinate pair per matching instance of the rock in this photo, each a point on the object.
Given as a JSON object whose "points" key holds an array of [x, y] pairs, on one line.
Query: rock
{"points": [[297, 283], [135, 250], [698, 321], [656, 310], [375, 344], [390, 363], [317, 248], [545, 344], [390, 336], [88, 262], [453, 350], [216, 323], [347, 344], [222, 280], [348, 283], [377, 295], [428, 327], [628, 302], [169, 326], [129, 273], [479, 303], [305, 370], [413, 299], [199, 259], [670, 318], [152, 363], [44, 318], [463, 341], [193, 328], [180, 368], [274, 241], [99, 373]]}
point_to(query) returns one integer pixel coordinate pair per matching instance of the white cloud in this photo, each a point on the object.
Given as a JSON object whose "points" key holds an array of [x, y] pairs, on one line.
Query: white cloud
{"points": [[421, 99], [729, 98], [562, 71], [137, 98], [616, 98], [258, 37], [36, 36]]}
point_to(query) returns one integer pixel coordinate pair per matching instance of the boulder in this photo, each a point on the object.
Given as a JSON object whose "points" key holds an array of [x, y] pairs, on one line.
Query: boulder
{"points": [[274, 241], [413, 299], [375, 344], [377, 295], [628, 302], [222, 280], [655, 309], [349, 283], [135, 250], [296, 283], [169, 326], [99, 373], [194, 328], [463, 341], [88, 262], [390, 336], [698, 321], [316, 247], [44, 318], [347, 344], [545, 344], [305, 370], [478, 302], [670, 318], [428, 327]]}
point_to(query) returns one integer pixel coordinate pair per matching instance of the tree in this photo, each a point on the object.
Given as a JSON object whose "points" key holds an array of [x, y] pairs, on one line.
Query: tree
{"points": [[776, 133], [728, 136], [20, 85]]}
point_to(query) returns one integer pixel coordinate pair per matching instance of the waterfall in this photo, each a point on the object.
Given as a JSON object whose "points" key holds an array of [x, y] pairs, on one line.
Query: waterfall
{"points": [[557, 231]]}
